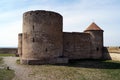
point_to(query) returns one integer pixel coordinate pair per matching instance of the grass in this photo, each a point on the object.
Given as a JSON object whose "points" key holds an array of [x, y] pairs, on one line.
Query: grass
{"points": [[4, 73], [2, 54], [79, 70], [75, 70], [1, 61], [18, 61]]}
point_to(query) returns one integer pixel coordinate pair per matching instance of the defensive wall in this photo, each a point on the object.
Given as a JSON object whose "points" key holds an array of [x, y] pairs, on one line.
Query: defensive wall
{"points": [[43, 41]]}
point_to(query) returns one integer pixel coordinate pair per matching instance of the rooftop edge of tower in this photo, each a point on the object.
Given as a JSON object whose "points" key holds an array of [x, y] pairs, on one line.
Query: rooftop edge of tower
{"points": [[93, 27]]}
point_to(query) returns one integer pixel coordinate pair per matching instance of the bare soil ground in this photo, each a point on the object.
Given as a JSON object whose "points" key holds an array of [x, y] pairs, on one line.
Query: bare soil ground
{"points": [[22, 72]]}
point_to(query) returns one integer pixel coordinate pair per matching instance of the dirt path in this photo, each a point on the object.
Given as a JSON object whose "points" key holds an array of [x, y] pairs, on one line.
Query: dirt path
{"points": [[22, 72]]}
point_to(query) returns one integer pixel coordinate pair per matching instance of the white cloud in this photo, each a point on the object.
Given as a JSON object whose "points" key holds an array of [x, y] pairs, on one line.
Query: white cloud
{"points": [[9, 34], [77, 16]]}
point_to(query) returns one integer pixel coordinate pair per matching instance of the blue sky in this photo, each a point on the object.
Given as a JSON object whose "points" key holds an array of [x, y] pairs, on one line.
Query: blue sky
{"points": [[77, 16]]}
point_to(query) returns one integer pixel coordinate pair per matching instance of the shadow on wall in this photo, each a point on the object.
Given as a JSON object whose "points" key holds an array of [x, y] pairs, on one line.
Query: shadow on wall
{"points": [[106, 54], [105, 63]]}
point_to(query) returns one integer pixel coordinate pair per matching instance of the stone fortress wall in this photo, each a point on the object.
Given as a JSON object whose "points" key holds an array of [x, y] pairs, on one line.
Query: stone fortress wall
{"points": [[77, 45], [112, 53], [44, 42]]}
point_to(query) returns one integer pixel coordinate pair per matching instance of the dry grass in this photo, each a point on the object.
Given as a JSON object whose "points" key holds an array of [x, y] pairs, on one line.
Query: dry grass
{"points": [[76, 70], [81, 70], [114, 49]]}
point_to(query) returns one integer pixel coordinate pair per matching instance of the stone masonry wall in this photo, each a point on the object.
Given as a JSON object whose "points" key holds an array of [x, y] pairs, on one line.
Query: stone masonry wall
{"points": [[43, 40], [97, 43], [42, 36], [77, 45]]}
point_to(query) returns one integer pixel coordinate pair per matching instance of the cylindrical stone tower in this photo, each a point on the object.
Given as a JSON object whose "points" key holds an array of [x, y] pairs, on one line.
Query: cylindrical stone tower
{"points": [[20, 44], [42, 39]]}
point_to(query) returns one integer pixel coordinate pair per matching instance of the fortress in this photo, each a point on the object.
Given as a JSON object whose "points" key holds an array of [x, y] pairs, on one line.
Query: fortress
{"points": [[44, 42]]}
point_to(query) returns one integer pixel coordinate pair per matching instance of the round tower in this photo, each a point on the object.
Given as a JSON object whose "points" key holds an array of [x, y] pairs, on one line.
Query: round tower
{"points": [[42, 37], [97, 41]]}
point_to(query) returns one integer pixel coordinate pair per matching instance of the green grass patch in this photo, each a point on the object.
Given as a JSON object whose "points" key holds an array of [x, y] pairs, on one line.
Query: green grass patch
{"points": [[4, 73], [1, 60], [3, 54], [18, 61]]}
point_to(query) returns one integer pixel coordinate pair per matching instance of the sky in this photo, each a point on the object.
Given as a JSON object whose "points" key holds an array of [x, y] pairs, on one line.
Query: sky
{"points": [[77, 16]]}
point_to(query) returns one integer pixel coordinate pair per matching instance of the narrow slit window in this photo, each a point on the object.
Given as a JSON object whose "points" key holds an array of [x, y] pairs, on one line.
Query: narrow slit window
{"points": [[46, 50], [33, 27], [97, 49], [33, 40]]}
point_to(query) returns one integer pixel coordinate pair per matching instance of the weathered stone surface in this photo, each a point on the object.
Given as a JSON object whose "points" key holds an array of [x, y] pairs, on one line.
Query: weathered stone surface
{"points": [[97, 43], [46, 61], [44, 42], [77, 45], [42, 35]]}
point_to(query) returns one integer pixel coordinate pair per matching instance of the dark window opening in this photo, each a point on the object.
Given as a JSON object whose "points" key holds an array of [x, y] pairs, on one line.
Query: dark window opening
{"points": [[33, 27], [50, 14], [46, 50], [97, 49], [33, 40], [61, 56], [37, 13], [30, 13]]}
